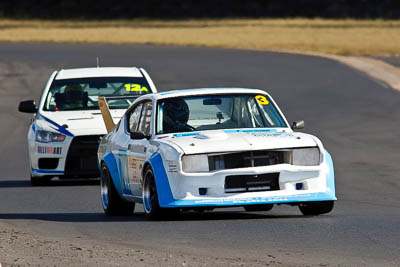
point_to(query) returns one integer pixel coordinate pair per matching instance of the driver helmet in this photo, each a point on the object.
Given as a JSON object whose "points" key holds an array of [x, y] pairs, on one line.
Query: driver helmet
{"points": [[74, 95], [177, 110]]}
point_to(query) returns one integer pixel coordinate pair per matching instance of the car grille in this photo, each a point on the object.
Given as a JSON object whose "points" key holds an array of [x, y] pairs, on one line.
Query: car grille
{"points": [[251, 183], [48, 163], [247, 159], [82, 156]]}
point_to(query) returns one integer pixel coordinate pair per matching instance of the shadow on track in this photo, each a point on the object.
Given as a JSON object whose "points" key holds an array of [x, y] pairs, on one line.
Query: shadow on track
{"points": [[27, 183], [140, 216]]}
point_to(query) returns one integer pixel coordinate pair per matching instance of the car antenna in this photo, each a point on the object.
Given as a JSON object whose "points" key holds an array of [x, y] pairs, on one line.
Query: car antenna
{"points": [[97, 59]]}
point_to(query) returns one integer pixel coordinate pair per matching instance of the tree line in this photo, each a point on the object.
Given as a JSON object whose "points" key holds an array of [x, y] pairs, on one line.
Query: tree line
{"points": [[181, 9]]}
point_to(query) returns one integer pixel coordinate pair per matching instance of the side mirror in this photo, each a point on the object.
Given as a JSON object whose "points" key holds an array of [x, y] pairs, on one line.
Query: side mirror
{"points": [[298, 125], [27, 106], [138, 135]]}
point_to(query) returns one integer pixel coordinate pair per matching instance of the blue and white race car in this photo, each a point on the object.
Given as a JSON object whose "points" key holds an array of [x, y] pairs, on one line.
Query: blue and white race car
{"points": [[67, 125], [206, 148]]}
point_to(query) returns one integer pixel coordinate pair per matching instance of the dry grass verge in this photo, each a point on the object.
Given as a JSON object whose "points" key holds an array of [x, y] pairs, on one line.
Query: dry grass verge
{"points": [[340, 37]]}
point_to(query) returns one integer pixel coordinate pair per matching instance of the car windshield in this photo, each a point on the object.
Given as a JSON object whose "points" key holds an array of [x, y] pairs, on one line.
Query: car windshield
{"points": [[83, 93], [233, 111]]}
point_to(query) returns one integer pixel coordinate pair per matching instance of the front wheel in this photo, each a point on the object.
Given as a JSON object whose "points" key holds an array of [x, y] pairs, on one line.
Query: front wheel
{"points": [[151, 205], [110, 199], [316, 207]]}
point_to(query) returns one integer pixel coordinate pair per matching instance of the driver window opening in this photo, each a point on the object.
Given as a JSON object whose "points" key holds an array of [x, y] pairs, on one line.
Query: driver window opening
{"points": [[134, 118], [145, 119], [230, 111]]}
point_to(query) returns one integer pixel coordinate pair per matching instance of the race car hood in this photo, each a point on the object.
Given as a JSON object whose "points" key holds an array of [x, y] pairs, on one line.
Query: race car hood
{"points": [[76, 122], [238, 140]]}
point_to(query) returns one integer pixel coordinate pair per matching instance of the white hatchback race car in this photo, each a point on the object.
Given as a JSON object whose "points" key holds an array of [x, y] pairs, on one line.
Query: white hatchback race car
{"points": [[205, 148], [67, 126]]}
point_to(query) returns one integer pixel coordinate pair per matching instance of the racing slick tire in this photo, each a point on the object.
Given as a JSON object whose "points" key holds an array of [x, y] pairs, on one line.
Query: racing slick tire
{"points": [[112, 203], [258, 207], [42, 180], [316, 207], [151, 205]]}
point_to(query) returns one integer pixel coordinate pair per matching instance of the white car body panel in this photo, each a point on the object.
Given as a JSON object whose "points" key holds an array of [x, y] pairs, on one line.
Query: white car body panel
{"points": [[127, 158], [78, 122], [221, 141]]}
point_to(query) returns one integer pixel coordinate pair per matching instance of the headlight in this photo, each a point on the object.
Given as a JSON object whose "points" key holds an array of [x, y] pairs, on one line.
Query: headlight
{"points": [[195, 163], [306, 156], [46, 137]]}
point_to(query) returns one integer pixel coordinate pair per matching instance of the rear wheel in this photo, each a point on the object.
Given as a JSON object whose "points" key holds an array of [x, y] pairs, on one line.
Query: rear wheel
{"points": [[110, 199], [316, 208], [40, 180], [259, 207]]}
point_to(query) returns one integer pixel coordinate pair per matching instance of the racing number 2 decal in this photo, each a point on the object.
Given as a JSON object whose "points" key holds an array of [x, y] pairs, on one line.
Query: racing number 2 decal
{"points": [[261, 100], [135, 88]]}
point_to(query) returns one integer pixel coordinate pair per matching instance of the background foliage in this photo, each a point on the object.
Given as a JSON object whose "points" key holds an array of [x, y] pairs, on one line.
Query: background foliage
{"points": [[167, 9]]}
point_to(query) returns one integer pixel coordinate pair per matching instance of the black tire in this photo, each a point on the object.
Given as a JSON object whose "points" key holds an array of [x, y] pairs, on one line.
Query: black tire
{"points": [[40, 180], [151, 205], [112, 203], [258, 207], [316, 207]]}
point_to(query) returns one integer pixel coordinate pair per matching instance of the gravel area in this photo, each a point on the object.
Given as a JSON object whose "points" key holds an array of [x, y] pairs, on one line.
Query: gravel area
{"points": [[392, 60], [21, 248]]}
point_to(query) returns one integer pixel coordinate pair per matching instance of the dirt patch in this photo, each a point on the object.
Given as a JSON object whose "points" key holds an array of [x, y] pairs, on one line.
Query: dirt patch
{"points": [[21, 248], [375, 68]]}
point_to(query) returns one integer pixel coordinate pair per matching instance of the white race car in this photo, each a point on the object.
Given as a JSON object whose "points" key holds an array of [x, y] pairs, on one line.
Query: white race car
{"points": [[205, 148], [67, 126]]}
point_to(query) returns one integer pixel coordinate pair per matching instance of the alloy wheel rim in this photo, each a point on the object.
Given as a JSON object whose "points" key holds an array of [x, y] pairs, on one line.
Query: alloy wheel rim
{"points": [[148, 194], [104, 189]]}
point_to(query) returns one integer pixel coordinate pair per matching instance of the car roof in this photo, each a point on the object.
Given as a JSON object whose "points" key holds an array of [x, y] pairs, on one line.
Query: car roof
{"points": [[206, 91], [98, 72]]}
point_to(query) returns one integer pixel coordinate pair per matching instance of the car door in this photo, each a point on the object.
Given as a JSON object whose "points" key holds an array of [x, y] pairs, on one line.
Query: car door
{"points": [[140, 149], [122, 152]]}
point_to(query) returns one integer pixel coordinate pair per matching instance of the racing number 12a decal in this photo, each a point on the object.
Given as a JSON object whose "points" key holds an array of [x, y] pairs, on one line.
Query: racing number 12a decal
{"points": [[135, 88], [261, 100]]}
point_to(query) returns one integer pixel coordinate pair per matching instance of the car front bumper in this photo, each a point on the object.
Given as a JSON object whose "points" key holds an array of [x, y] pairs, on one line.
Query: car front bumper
{"points": [[296, 184], [76, 157]]}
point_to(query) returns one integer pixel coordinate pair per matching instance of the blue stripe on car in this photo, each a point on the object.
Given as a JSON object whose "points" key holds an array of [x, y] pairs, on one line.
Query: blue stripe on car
{"points": [[249, 130], [160, 175], [59, 128], [47, 171], [185, 134], [111, 163], [205, 202], [122, 161], [330, 179]]}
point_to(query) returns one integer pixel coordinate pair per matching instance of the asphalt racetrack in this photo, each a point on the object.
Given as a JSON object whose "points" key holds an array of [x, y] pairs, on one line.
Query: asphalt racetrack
{"points": [[356, 118]]}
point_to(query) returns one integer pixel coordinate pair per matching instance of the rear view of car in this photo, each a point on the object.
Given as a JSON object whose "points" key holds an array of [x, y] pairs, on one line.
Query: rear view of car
{"points": [[67, 125]]}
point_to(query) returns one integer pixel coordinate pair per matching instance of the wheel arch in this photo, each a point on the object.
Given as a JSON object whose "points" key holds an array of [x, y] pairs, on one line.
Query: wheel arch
{"points": [[145, 166], [164, 192], [111, 163], [330, 176]]}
